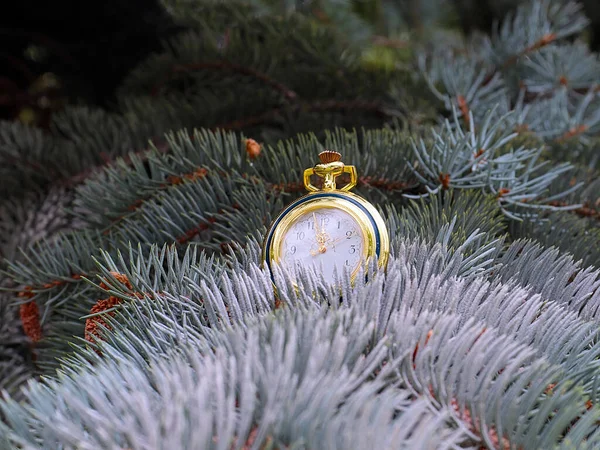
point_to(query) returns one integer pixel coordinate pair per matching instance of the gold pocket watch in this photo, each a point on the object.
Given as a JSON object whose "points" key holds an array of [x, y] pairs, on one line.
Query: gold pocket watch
{"points": [[329, 228]]}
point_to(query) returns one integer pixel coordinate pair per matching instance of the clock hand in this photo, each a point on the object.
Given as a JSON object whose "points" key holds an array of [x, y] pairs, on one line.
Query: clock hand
{"points": [[340, 239], [321, 249], [317, 232], [321, 237], [318, 238]]}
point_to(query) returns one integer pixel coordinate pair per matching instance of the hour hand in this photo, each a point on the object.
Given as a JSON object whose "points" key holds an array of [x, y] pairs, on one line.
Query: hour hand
{"points": [[320, 234], [340, 239], [321, 249], [317, 232]]}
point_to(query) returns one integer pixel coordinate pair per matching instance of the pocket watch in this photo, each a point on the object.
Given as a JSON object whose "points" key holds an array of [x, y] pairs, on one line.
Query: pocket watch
{"points": [[329, 228]]}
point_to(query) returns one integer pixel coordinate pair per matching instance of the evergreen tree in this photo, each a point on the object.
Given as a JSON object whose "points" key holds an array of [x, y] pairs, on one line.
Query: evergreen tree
{"points": [[135, 311]]}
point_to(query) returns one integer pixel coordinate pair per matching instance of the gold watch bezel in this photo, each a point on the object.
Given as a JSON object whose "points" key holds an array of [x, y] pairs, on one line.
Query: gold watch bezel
{"points": [[375, 237]]}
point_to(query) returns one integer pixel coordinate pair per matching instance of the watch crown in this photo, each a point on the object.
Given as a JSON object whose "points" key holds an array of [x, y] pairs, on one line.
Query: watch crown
{"points": [[329, 156]]}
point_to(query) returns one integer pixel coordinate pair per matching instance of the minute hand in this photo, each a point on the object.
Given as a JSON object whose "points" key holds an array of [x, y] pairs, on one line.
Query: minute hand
{"points": [[340, 239], [317, 231]]}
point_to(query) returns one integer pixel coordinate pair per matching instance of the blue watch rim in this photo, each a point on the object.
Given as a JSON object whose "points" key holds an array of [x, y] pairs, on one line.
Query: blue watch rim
{"points": [[312, 197]]}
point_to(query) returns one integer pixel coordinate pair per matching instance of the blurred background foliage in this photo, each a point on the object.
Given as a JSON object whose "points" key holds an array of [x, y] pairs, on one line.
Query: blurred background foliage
{"points": [[68, 52]]}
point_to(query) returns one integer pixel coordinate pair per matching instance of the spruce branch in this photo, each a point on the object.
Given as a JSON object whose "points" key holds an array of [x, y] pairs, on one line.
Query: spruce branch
{"points": [[583, 118], [553, 275], [560, 66], [15, 368], [541, 43], [105, 306], [583, 211], [477, 159], [565, 231], [534, 25], [469, 212], [37, 214], [120, 191], [245, 395], [466, 82], [172, 213], [524, 380]]}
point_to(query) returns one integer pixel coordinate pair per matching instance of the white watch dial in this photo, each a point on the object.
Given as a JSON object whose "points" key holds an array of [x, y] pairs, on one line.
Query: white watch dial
{"points": [[329, 239]]}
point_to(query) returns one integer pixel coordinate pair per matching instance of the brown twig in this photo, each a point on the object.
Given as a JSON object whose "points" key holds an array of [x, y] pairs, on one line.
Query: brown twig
{"points": [[287, 187], [231, 67], [499, 442], [464, 109], [551, 92], [16, 161], [542, 42], [323, 105], [385, 41], [192, 233], [345, 105], [575, 131], [378, 183], [172, 180], [584, 211], [197, 174], [385, 183], [416, 350], [80, 177]]}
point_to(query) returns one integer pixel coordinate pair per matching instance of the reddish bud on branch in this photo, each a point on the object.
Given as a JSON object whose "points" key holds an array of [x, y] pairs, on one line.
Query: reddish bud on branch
{"points": [[575, 131], [464, 109], [30, 318], [502, 192], [444, 179], [253, 148], [93, 324]]}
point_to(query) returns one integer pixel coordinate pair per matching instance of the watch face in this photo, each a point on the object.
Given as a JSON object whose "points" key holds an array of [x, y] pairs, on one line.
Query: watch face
{"points": [[328, 238]]}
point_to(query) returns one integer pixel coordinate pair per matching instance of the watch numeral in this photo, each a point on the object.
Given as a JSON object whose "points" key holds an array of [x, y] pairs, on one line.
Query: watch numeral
{"points": [[311, 225], [352, 249], [293, 249], [347, 263], [339, 224], [348, 234], [300, 235]]}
